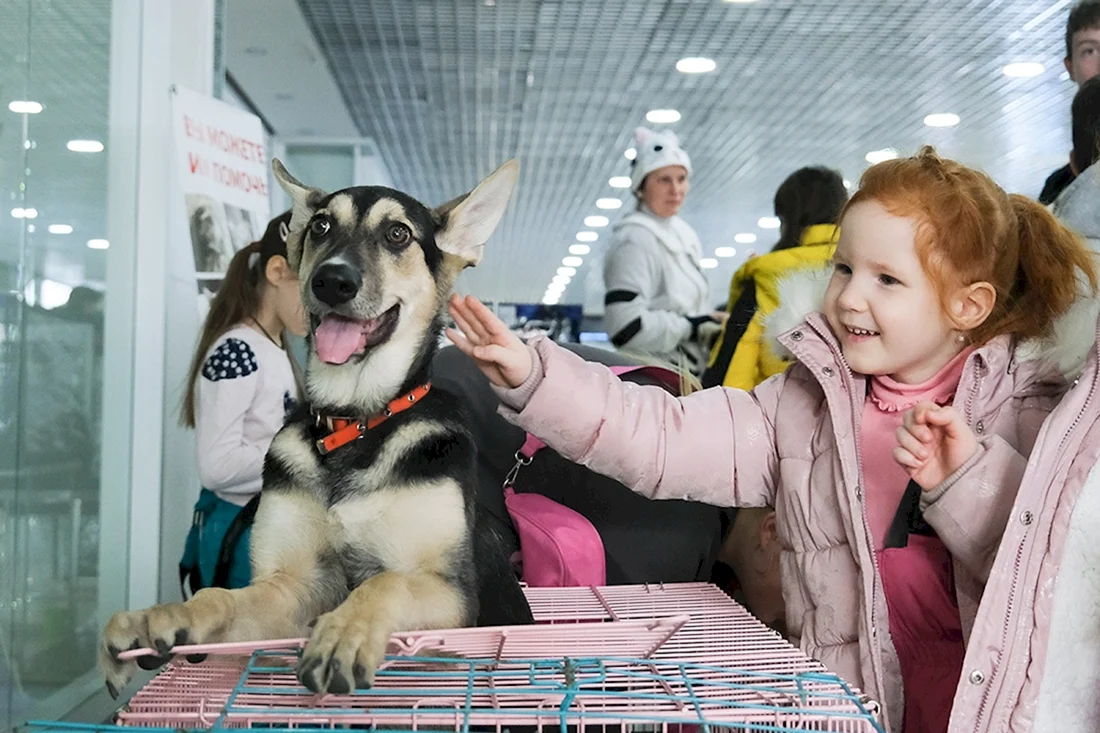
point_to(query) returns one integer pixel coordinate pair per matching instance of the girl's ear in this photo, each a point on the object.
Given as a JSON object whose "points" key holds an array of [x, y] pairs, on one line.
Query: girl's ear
{"points": [[972, 304], [278, 270]]}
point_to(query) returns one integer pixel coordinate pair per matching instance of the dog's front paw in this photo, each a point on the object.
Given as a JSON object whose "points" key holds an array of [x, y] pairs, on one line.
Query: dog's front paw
{"points": [[344, 650], [161, 628]]}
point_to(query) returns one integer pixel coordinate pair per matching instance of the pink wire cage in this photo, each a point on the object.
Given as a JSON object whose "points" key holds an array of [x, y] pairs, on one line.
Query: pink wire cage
{"points": [[667, 658]]}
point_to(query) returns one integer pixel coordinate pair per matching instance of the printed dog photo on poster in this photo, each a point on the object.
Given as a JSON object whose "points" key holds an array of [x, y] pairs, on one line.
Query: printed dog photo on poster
{"points": [[210, 237]]}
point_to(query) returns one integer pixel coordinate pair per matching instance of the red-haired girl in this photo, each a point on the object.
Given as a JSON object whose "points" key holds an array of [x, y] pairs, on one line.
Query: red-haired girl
{"points": [[893, 446]]}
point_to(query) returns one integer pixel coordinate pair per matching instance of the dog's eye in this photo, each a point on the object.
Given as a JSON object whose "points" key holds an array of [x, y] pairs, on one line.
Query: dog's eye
{"points": [[320, 226], [398, 235]]}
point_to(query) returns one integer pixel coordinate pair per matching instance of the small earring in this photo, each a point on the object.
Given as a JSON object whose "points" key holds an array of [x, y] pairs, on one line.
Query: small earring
{"points": [[961, 338]]}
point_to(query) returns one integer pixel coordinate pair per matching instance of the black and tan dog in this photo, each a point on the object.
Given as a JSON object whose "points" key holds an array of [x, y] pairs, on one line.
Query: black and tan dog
{"points": [[368, 523]]}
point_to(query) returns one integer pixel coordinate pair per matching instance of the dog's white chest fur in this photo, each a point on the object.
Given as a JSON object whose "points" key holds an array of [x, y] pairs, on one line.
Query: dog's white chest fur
{"points": [[407, 529], [404, 526]]}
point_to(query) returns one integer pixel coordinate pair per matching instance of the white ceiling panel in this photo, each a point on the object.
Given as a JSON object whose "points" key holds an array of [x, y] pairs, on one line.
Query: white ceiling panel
{"points": [[451, 88]]}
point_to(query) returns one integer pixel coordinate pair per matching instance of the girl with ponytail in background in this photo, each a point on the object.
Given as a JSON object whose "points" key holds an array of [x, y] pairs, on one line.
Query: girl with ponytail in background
{"points": [[242, 384]]}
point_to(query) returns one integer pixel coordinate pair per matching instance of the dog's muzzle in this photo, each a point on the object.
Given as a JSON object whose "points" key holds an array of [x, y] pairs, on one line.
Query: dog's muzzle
{"points": [[335, 283]]}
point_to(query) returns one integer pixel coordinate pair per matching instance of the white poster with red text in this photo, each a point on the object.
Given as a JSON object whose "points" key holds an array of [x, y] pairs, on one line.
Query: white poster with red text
{"points": [[222, 158]]}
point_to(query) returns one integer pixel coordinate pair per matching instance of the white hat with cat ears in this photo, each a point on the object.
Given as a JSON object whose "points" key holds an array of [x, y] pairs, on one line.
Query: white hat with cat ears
{"points": [[655, 150]]}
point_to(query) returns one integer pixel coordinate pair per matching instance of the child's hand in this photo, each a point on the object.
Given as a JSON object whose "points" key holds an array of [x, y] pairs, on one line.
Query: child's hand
{"points": [[933, 443], [499, 353]]}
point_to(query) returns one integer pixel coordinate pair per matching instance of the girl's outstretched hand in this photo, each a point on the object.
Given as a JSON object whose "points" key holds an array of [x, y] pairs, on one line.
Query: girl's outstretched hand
{"points": [[933, 443], [498, 352]]}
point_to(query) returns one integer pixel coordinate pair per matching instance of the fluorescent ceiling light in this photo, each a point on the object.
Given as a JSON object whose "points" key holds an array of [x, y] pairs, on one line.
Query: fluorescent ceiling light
{"points": [[942, 119], [1023, 69], [662, 116], [85, 146], [879, 156], [25, 107], [696, 65]]}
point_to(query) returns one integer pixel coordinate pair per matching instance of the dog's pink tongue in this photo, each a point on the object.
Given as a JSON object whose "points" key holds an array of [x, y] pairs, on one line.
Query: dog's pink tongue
{"points": [[338, 338]]}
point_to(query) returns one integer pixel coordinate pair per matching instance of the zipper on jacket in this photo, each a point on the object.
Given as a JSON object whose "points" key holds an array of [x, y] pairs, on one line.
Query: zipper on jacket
{"points": [[1005, 629], [856, 407], [1077, 418], [876, 582], [974, 389], [1016, 567]]}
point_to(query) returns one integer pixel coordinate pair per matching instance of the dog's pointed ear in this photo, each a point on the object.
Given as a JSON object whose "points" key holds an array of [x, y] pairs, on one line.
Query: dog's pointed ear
{"points": [[304, 201], [467, 222]]}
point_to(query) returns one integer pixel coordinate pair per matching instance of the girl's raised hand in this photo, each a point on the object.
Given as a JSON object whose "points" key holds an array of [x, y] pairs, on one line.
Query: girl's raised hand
{"points": [[498, 352], [933, 443]]}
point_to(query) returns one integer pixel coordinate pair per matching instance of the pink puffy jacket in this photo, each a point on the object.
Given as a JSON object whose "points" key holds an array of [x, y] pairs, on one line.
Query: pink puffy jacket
{"points": [[792, 443], [1033, 663]]}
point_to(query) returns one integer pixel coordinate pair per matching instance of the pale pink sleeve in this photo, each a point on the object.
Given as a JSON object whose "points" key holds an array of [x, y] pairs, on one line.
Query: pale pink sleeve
{"points": [[716, 446], [971, 508]]}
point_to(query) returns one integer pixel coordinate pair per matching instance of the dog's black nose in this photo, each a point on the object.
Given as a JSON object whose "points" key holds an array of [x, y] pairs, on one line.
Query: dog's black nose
{"points": [[335, 284]]}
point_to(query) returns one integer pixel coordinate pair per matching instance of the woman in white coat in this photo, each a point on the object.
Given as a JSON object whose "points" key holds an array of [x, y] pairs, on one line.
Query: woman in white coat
{"points": [[656, 300]]}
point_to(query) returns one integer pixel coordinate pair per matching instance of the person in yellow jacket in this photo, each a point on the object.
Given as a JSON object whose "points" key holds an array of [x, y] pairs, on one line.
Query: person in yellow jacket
{"points": [[808, 205]]}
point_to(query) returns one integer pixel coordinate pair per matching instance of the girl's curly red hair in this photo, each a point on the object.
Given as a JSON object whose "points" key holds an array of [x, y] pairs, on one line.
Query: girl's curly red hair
{"points": [[969, 230]]}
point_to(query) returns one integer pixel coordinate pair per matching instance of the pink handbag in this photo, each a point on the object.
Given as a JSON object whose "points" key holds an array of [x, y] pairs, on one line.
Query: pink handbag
{"points": [[559, 547]]}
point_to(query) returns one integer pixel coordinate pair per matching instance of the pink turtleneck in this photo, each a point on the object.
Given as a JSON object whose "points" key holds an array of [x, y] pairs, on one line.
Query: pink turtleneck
{"points": [[887, 401], [917, 578]]}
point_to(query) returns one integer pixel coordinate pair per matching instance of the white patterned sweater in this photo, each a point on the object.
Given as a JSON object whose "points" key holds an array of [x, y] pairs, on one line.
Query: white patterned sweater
{"points": [[244, 393]]}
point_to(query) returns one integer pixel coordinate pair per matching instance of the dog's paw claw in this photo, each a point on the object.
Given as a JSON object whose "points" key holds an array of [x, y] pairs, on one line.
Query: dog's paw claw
{"points": [[362, 680], [310, 673], [344, 650], [150, 663], [112, 690], [337, 683]]}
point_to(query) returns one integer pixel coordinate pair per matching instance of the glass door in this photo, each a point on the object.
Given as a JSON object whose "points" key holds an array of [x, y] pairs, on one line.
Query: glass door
{"points": [[54, 83]]}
